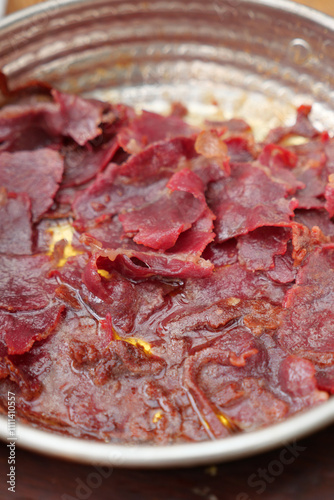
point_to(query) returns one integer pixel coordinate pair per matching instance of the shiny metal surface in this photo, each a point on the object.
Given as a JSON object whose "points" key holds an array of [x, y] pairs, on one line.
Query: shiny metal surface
{"points": [[180, 455], [221, 58]]}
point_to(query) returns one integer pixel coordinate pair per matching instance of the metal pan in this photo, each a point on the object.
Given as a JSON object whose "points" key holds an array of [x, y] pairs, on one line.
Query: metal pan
{"points": [[221, 58]]}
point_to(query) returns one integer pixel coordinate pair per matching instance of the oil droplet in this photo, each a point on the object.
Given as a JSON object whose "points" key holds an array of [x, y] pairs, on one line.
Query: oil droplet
{"points": [[104, 274], [157, 416], [233, 301], [62, 232]]}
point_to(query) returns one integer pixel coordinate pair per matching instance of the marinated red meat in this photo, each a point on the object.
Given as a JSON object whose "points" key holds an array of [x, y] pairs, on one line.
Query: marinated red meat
{"points": [[15, 228], [37, 173], [151, 127], [329, 195], [182, 292], [23, 329], [247, 200], [159, 224], [284, 270], [78, 118], [257, 249], [24, 283], [95, 159], [307, 329]]}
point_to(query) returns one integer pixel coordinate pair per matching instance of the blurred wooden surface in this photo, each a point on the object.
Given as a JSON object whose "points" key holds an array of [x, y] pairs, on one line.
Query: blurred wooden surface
{"points": [[13, 5], [324, 5], [307, 476]]}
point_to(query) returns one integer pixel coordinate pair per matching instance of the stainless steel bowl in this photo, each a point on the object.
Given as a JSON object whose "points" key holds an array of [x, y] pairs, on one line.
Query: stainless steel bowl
{"points": [[222, 58]]}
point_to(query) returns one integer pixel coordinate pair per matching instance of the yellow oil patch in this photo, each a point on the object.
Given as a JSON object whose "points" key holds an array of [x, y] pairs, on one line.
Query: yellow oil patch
{"points": [[133, 341], [104, 273], [59, 233], [138, 342], [224, 420], [233, 301], [227, 423], [157, 416], [294, 140]]}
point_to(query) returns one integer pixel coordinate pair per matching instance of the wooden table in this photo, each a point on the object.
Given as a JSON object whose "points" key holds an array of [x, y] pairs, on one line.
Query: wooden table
{"points": [[325, 5], [308, 476]]}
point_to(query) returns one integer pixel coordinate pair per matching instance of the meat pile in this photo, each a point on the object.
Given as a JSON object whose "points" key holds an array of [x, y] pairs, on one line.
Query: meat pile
{"points": [[192, 297]]}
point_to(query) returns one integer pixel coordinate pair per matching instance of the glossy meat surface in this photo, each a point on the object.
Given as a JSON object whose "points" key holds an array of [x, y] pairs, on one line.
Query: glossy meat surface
{"points": [[160, 283]]}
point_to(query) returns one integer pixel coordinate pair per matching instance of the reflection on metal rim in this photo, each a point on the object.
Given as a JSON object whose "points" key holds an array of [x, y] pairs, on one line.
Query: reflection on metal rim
{"points": [[180, 455]]}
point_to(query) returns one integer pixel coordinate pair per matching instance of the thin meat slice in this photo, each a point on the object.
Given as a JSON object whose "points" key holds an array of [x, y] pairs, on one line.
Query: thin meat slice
{"points": [[78, 118], [129, 305], [297, 378], [23, 283], [159, 160], [37, 173], [22, 330], [325, 379], [305, 240], [240, 149], [194, 241], [139, 181], [258, 248], [302, 127], [329, 195], [15, 223], [221, 379], [209, 169], [104, 292], [311, 218], [258, 407], [233, 281], [137, 261], [109, 194], [312, 170], [284, 270], [83, 163], [44, 120], [141, 263], [246, 200], [308, 326], [274, 156], [23, 91], [184, 258], [222, 254], [20, 370], [281, 163], [230, 287], [151, 127], [62, 205], [119, 295], [312, 196], [159, 224], [25, 127]]}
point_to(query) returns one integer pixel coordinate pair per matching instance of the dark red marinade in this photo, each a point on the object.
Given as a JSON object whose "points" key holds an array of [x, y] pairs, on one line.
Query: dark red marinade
{"points": [[192, 296]]}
